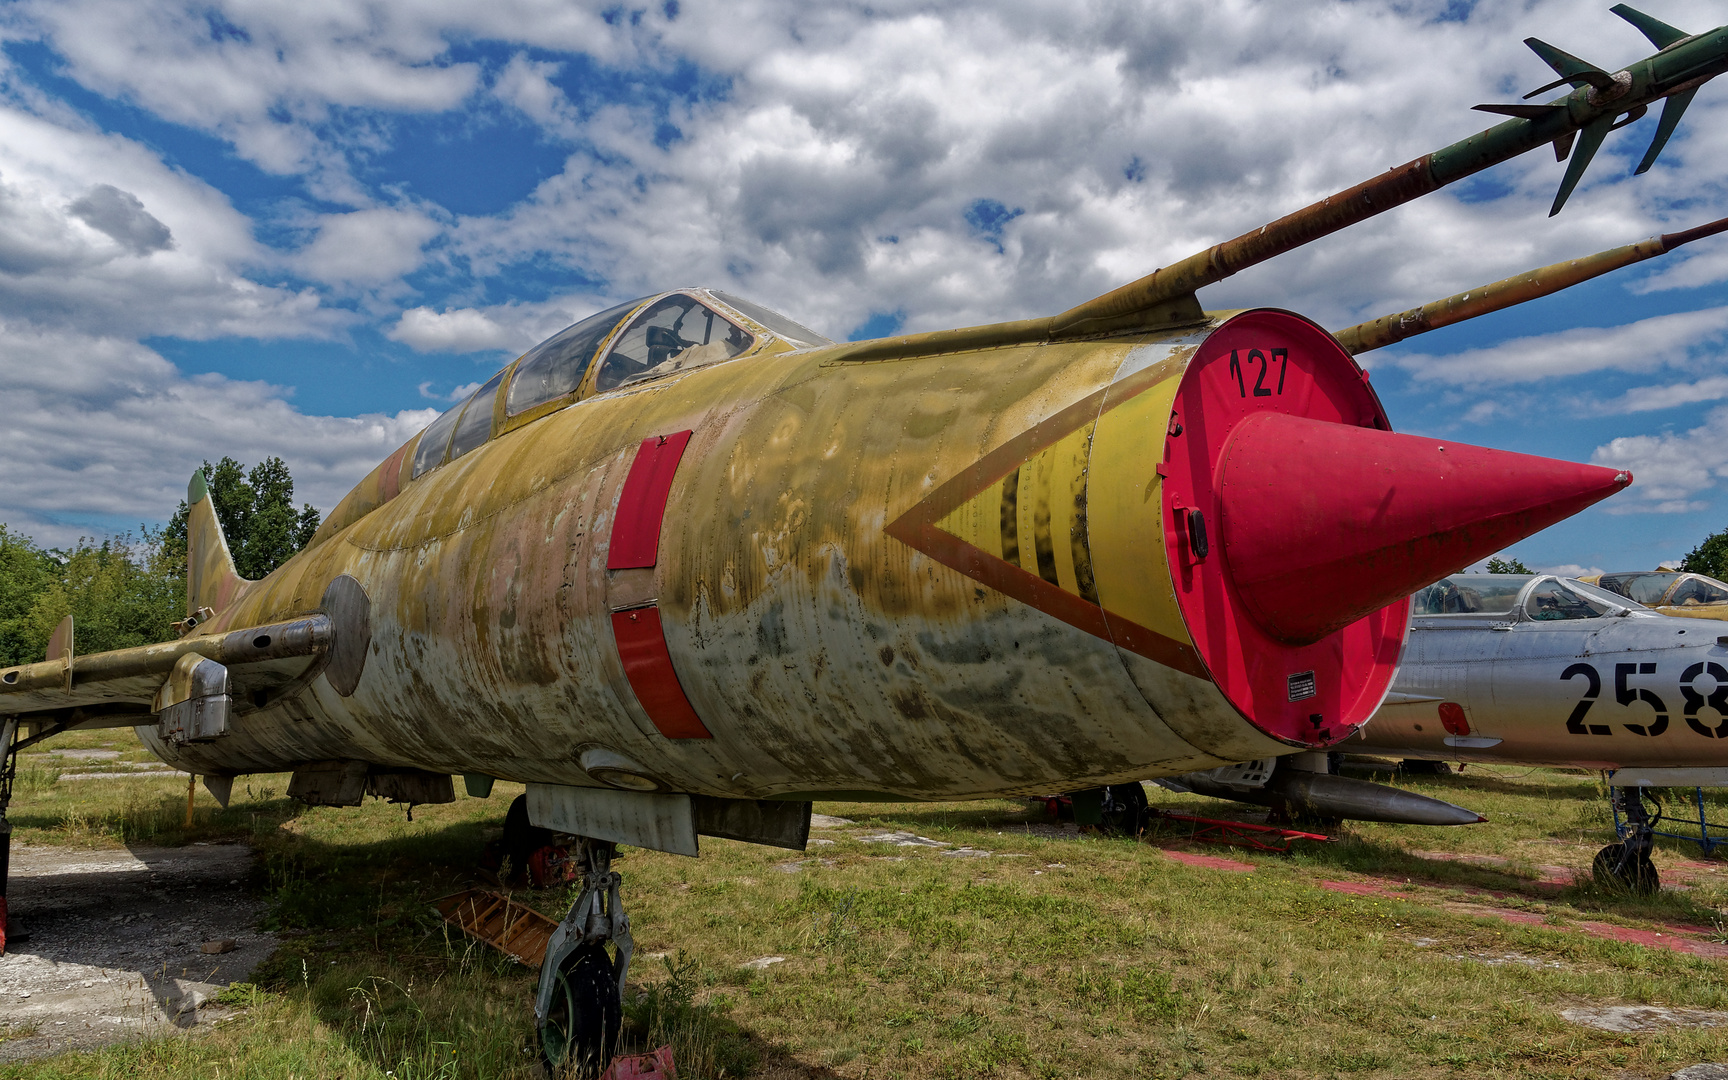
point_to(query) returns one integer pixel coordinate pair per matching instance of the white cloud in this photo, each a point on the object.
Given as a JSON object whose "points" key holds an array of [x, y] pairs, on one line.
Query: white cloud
{"points": [[512, 327], [458, 393], [842, 126], [142, 427], [97, 234], [526, 85], [1669, 468], [459, 330], [1572, 570], [1651, 398], [266, 77], [1707, 267], [829, 173], [367, 247], [1665, 341]]}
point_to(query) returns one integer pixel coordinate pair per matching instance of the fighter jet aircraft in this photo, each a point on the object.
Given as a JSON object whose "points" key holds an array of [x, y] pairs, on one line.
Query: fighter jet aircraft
{"points": [[1543, 670], [685, 566]]}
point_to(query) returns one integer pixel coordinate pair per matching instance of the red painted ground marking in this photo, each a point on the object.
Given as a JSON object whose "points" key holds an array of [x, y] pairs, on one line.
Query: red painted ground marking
{"points": [[1656, 940], [1677, 938], [1215, 862], [1685, 870], [1694, 864]]}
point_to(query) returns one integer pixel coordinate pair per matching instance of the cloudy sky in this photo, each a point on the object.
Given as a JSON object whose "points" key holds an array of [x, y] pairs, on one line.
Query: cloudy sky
{"points": [[247, 227]]}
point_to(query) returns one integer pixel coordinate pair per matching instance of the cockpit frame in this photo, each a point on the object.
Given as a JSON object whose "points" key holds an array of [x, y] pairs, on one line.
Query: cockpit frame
{"points": [[1517, 610]]}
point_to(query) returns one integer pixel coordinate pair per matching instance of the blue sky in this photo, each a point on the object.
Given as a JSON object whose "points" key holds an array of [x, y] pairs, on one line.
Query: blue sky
{"points": [[233, 228]]}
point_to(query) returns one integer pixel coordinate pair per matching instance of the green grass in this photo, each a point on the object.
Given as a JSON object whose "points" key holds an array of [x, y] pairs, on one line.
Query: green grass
{"points": [[1090, 956]]}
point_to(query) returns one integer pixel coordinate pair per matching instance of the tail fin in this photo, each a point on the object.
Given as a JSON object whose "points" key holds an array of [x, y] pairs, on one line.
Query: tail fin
{"points": [[60, 647], [211, 580]]}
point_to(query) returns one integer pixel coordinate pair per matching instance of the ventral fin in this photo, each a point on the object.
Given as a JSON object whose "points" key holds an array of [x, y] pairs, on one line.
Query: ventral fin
{"points": [[1672, 109], [1589, 141]]}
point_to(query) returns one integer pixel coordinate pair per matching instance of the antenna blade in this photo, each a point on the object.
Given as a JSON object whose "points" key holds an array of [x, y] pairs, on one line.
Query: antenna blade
{"points": [[1671, 111], [1569, 67], [1660, 33], [1589, 141], [1527, 112]]}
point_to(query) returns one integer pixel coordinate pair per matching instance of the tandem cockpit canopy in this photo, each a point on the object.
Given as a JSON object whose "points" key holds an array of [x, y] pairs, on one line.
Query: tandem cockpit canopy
{"points": [[1537, 597], [645, 339], [1666, 588]]}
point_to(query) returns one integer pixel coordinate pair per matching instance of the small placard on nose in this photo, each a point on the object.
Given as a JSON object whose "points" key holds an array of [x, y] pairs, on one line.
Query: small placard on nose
{"points": [[1302, 686]]}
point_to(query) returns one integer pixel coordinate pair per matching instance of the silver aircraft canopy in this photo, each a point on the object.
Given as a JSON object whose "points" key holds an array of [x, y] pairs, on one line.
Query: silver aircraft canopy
{"points": [[1508, 598]]}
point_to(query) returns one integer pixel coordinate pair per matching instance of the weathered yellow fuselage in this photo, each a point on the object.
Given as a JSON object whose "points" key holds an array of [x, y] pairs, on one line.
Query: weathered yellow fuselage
{"points": [[821, 651]]}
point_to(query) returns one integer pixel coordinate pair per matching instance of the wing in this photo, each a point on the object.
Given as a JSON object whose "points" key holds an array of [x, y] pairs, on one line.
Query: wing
{"points": [[125, 687]]}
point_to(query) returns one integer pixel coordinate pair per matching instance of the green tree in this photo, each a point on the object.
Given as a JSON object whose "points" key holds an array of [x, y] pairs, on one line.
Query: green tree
{"points": [[257, 513], [25, 572], [1497, 565], [120, 593], [1710, 557]]}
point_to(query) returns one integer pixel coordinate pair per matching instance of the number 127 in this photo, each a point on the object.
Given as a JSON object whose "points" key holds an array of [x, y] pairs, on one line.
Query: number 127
{"points": [[1255, 356]]}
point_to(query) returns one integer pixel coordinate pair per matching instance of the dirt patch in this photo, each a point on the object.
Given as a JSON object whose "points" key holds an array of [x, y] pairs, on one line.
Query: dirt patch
{"points": [[1212, 862], [112, 943]]}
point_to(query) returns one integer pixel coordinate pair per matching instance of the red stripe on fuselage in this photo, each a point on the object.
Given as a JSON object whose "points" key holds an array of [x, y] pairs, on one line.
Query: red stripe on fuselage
{"points": [[642, 506], [648, 666]]}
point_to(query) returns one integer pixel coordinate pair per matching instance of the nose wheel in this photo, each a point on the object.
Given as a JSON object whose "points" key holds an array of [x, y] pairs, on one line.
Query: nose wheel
{"points": [[580, 1004], [1125, 809], [1627, 864], [580, 1029]]}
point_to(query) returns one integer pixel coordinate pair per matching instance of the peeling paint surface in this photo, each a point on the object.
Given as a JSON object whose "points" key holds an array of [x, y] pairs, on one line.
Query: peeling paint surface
{"points": [[915, 576]]}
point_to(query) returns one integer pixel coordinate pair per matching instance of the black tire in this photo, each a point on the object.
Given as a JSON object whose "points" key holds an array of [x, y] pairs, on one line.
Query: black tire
{"points": [[1611, 867], [1420, 767], [580, 1032], [1125, 809]]}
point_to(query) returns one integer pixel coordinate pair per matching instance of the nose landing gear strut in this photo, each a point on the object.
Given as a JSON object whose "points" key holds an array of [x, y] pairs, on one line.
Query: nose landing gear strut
{"points": [[581, 1001], [1627, 864]]}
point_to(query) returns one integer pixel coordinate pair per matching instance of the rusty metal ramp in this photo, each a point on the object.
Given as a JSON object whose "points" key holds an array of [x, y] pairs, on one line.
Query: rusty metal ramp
{"points": [[511, 928]]}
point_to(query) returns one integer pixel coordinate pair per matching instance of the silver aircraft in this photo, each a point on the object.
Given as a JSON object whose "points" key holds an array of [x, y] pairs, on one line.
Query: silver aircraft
{"points": [[1544, 670]]}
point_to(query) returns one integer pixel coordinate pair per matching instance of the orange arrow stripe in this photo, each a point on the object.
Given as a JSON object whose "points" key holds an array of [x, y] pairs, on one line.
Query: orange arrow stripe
{"points": [[917, 528]]}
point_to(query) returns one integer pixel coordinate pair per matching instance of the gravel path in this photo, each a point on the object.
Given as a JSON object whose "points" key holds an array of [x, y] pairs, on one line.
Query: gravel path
{"points": [[113, 943]]}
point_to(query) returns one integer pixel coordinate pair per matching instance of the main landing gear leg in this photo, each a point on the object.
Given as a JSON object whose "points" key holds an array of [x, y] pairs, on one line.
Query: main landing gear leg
{"points": [[581, 1001], [1627, 864], [8, 769]]}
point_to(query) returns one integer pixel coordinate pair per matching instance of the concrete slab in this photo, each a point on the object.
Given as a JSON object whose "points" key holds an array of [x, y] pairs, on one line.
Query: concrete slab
{"points": [[114, 938], [1630, 1018]]}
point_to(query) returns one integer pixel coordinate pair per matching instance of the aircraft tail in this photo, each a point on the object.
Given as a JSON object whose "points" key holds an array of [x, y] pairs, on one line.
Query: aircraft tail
{"points": [[211, 580]]}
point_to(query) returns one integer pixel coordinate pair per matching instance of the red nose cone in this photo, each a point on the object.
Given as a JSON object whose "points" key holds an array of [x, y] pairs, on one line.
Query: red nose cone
{"points": [[1296, 524], [1324, 523]]}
